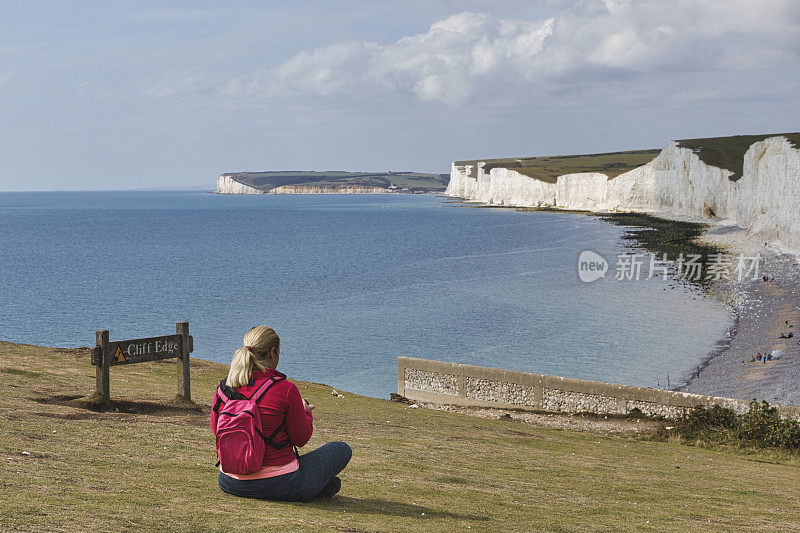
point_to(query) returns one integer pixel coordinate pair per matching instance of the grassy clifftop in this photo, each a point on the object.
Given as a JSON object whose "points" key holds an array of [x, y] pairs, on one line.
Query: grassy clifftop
{"points": [[722, 152], [150, 465], [549, 168], [728, 152], [414, 181]]}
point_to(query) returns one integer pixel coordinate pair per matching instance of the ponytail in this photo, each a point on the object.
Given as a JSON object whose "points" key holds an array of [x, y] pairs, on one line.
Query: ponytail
{"points": [[252, 356]]}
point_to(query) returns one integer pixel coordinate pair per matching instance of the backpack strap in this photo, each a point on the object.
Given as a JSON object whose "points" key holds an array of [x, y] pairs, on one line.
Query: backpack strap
{"points": [[229, 392], [232, 394], [218, 402], [270, 441], [273, 380]]}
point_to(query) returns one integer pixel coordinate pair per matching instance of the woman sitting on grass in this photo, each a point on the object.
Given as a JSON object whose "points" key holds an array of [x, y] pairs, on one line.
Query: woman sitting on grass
{"points": [[286, 422]]}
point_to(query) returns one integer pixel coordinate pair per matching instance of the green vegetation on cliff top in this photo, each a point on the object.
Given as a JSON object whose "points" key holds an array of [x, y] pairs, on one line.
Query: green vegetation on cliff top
{"points": [[728, 152], [549, 168], [723, 152], [414, 181], [150, 465]]}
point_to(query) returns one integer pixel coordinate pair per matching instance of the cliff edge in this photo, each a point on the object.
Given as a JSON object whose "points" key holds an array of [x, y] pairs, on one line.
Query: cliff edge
{"points": [[227, 184]]}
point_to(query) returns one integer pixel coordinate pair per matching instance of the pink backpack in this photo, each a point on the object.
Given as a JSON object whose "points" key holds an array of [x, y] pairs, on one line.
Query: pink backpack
{"points": [[236, 423]]}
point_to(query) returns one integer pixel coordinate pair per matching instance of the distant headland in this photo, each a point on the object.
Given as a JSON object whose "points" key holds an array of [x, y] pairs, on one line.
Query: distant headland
{"points": [[330, 182]]}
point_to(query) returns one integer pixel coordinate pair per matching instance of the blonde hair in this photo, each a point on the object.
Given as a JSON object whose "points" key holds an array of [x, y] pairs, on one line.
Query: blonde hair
{"points": [[253, 355]]}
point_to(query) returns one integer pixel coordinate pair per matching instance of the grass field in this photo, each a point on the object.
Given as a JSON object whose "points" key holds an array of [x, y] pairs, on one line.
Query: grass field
{"points": [[150, 465], [414, 181], [548, 168], [728, 152], [722, 152]]}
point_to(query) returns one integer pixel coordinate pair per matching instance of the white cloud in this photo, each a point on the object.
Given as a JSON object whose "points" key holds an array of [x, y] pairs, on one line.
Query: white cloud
{"points": [[588, 42]]}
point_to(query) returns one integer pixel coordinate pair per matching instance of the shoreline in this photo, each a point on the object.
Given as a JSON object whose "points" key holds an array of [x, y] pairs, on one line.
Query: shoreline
{"points": [[726, 370], [758, 308], [720, 347]]}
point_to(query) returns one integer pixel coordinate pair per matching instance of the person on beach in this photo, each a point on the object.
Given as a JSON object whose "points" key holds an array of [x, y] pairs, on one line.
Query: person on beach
{"points": [[286, 418]]}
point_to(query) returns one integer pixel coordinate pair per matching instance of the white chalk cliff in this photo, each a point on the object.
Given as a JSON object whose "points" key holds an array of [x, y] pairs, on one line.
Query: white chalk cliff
{"points": [[227, 185], [765, 200]]}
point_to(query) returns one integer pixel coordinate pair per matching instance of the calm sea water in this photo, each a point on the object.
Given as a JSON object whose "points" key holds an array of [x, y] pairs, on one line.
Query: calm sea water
{"points": [[349, 283]]}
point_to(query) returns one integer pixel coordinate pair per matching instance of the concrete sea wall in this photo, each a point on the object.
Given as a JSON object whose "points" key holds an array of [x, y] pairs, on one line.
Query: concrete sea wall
{"points": [[440, 382]]}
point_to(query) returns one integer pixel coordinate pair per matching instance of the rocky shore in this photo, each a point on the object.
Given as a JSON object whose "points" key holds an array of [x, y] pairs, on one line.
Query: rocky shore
{"points": [[762, 309]]}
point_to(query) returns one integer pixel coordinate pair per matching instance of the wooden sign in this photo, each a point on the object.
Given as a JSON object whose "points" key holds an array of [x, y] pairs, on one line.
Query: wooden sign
{"points": [[107, 354], [141, 350]]}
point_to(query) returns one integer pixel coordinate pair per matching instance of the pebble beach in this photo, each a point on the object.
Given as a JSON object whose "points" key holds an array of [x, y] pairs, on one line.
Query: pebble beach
{"points": [[762, 309]]}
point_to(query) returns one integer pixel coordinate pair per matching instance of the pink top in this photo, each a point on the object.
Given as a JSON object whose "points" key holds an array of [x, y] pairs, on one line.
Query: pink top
{"points": [[267, 471]]}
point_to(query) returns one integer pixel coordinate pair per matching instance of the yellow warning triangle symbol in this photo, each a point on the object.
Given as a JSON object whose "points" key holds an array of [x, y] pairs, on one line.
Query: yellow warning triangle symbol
{"points": [[119, 357]]}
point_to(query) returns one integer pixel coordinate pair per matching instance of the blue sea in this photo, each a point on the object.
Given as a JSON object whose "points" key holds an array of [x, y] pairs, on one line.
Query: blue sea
{"points": [[349, 283]]}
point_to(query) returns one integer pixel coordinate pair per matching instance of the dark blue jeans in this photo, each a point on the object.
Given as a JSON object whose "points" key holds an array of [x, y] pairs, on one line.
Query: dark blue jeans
{"points": [[316, 469]]}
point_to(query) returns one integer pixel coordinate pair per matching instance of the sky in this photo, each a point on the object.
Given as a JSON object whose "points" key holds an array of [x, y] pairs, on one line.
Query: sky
{"points": [[118, 94]]}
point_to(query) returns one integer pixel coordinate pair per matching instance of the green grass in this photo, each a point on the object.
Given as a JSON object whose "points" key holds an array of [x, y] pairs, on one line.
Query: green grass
{"points": [[722, 152], [151, 465], [548, 168], [416, 181], [728, 152]]}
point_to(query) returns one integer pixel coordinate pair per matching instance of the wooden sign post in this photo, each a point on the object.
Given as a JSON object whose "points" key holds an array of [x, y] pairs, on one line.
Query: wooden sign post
{"points": [[107, 354]]}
